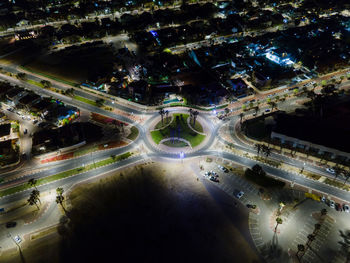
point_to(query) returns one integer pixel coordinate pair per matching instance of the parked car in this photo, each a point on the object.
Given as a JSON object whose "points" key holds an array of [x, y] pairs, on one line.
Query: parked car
{"points": [[239, 194], [332, 204], [222, 168], [11, 224], [214, 179], [267, 110], [323, 199], [338, 207], [330, 170], [346, 208]]}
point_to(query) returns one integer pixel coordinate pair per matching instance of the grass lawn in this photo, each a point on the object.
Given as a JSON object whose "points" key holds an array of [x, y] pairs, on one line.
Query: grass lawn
{"points": [[159, 125], [85, 100], [33, 82], [198, 127], [134, 133], [65, 174], [180, 124]]}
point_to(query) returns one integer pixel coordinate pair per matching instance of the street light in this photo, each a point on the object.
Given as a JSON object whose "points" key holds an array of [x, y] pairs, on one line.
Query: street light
{"points": [[182, 155]]}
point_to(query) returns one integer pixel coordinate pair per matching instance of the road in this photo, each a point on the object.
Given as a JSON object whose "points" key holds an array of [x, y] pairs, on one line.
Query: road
{"points": [[151, 152]]}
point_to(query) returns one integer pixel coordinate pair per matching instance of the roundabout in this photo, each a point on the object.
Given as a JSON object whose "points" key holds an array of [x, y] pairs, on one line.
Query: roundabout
{"points": [[180, 131]]}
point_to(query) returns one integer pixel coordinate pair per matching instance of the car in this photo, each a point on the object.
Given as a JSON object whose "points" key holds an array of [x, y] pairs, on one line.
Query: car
{"points": [[214, 179], [267, 110], [239, 194], [332, 204], [338, 207], [346, 208], [35, 121], [323, 199], [17, 239], [214, 174], [11, 224], [207, 173], [222, 168], [25, 131], [330, 170]]}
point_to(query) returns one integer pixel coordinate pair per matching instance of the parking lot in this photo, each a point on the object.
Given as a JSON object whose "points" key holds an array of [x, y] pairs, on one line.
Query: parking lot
{"points": [[299, 217]]}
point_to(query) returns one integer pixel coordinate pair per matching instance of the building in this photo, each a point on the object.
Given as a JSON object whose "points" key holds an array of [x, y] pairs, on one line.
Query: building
{"points": [[324, 136]]}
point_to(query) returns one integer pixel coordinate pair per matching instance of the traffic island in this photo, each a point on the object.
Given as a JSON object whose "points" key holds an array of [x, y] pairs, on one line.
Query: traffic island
{"points": [[177, 133]]}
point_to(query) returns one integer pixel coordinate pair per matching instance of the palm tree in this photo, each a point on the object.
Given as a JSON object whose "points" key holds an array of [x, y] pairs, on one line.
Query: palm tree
{"points": [[324, 212], [258, 147], [337, 171], [166, 114], [162, 112], [317, 228], [33, 182], [301, 248], [273, 105], [310, 238], [241, 115], [36, 193], [347, 176], [60, 197], [256, 108], [279, 221], [195, 114], [267, 151], [33, 199]]}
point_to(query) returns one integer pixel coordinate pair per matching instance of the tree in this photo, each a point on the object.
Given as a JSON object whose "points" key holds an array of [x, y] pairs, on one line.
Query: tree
{"points": [[33, 182], [273, 105], [99, 102], [34, 198], [256, 108], [257, 146], [227, 111], [195, 114], [46, 84], [310, 238], [266, 150], [317, 228], [162, 112], [60, 197], [241, 115], [258, 170], [31, 201], [279, 221], [21, 76], [301, 248], [36, 193], [347, 176], [166, 114]]}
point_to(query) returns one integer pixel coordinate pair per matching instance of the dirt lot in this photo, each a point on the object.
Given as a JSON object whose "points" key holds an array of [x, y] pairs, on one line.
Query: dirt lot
{"points": [[153, 213]]}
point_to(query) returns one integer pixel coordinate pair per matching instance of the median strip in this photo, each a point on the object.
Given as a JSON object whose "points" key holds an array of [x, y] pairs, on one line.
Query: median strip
{"points": [[65, 174]]}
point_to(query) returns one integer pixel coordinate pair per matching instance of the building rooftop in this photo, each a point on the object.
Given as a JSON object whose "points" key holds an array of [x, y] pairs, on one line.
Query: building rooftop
{"points": [[329, 131]]}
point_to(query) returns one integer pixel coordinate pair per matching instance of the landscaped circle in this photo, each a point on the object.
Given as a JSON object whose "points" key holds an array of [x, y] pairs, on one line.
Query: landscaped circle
{"points": [[178, 130]]}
